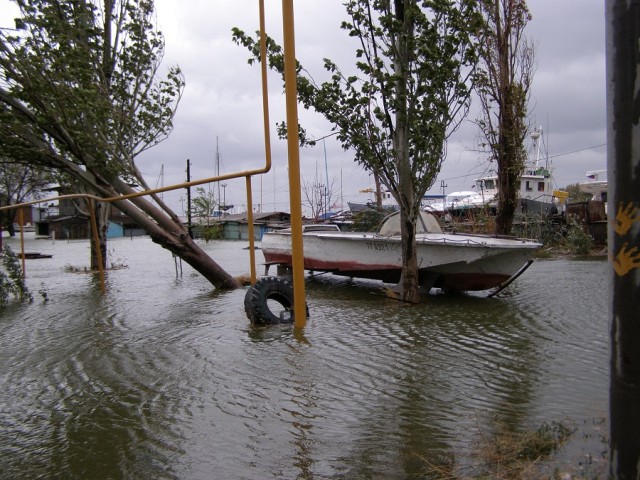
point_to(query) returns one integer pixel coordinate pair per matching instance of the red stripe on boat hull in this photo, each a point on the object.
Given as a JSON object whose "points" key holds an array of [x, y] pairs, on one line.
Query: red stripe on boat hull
{"points": [[391, 273]]}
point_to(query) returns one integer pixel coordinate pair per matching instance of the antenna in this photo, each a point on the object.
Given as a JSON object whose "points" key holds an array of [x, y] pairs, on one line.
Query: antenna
{"points": [[161, 180], [535, 136]]}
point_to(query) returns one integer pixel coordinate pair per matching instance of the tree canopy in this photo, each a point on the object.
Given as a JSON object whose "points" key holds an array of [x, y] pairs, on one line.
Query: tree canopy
{"points": [[81, 93], [415, 63], [503, 84], [81, 87], [19, 183]]}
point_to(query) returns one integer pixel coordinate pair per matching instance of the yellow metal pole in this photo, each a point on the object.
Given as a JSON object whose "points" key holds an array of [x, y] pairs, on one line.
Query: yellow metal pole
{"points": [[252, 253], [265, 90], [21, 219], [295, 198], [94, 229], [267, 138]]}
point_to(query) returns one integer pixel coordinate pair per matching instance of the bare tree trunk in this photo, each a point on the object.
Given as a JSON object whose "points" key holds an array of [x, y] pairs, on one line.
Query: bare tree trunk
{"points": [[100, 217], [507, 177], [504, 90], [11, 218], [166, 230], [183, 246], [376, 179], [509, 171], [409, 280], [409, 286]]}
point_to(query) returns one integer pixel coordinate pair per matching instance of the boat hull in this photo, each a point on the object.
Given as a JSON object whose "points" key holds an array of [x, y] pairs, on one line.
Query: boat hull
{"points": [[359, 207], [447, 261]]}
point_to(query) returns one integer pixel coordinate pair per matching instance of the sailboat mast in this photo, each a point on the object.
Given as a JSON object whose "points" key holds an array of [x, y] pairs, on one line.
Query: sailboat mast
{"points": [[218, 169], [326, 171]]}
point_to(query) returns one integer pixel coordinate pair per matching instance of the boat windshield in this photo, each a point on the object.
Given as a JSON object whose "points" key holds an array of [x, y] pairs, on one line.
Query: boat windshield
{"points": [[486, 184], [426, 223]]}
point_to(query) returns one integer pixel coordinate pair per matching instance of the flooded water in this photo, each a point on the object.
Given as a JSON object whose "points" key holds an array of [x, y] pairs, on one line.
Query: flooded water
{"points": [[162, 377]]}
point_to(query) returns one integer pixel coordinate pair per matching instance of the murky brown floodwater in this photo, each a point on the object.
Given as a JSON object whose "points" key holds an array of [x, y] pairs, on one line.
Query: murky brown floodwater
{"points": [[163, 378]]}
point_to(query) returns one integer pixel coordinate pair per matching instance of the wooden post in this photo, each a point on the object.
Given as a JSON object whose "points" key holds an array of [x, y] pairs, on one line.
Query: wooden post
{"points": [[189, 227], [21, 220]]}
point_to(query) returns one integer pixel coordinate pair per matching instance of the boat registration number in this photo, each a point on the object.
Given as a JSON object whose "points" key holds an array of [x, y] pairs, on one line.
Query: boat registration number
{"points": [[382, 247]]}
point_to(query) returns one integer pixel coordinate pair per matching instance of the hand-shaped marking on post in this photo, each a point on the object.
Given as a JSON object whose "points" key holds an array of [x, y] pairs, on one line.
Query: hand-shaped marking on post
{"points": [[625, 218], [626, 260]]}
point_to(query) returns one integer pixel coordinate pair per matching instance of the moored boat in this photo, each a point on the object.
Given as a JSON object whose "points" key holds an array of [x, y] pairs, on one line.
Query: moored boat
{"points": [[536, 193], [449, 261], [596, 185], [388, 202], [458, 203]]}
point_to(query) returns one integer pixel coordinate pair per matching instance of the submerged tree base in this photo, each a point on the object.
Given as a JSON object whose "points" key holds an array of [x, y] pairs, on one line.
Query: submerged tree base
{"points": [[505, 454]]}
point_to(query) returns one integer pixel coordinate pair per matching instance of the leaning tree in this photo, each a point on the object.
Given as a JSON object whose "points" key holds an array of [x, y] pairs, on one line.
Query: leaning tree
{"points": [[415, 62], [81, 94], [503, 85]]}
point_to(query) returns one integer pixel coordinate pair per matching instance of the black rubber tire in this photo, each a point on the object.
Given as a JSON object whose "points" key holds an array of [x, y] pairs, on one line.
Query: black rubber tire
{"points": [[277, 289]]}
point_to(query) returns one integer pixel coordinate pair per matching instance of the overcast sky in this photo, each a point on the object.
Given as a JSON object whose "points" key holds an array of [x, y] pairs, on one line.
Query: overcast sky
{"points": [[221, 107]]}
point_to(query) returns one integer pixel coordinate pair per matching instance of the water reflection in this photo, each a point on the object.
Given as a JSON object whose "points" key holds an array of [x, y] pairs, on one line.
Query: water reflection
{"points": [[459, 366], [95, 391], [164, 378]]}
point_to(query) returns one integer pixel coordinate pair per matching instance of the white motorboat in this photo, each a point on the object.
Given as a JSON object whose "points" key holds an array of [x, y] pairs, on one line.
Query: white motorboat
{"points": [[458, 203], [596, 185], [452, 262]]}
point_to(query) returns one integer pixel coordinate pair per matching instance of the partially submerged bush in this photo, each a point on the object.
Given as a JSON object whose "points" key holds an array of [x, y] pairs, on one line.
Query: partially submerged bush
{"points": [[579, 242], [509, 454], [504, 454], [368, 220], [212, 232], [569, 238], [11, 279]]}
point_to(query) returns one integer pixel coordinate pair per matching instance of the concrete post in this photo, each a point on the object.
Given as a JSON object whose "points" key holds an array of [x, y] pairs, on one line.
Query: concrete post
{"points": [[623, 151]]}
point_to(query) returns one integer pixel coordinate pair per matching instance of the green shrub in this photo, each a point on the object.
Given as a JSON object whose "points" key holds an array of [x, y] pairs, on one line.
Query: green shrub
{"points": [[578, 242], [567, 238], [368, 220], [212, 232], [11, 279], [544, 441]]}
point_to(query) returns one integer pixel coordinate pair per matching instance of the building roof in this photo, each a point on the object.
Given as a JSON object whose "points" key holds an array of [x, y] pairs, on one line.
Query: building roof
{"points": [[258, 217]]}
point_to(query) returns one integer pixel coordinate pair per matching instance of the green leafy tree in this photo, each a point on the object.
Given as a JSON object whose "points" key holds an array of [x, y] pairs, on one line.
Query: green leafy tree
{"points": [[575, 194], [415, 61], [367, 220], [18, 183], [503, 85], [203, 205], [81, 93]]}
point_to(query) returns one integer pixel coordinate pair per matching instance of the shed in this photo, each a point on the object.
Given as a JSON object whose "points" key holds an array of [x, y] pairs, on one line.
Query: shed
{"points": [[71, 227], [236, 226], [592, 217]]}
